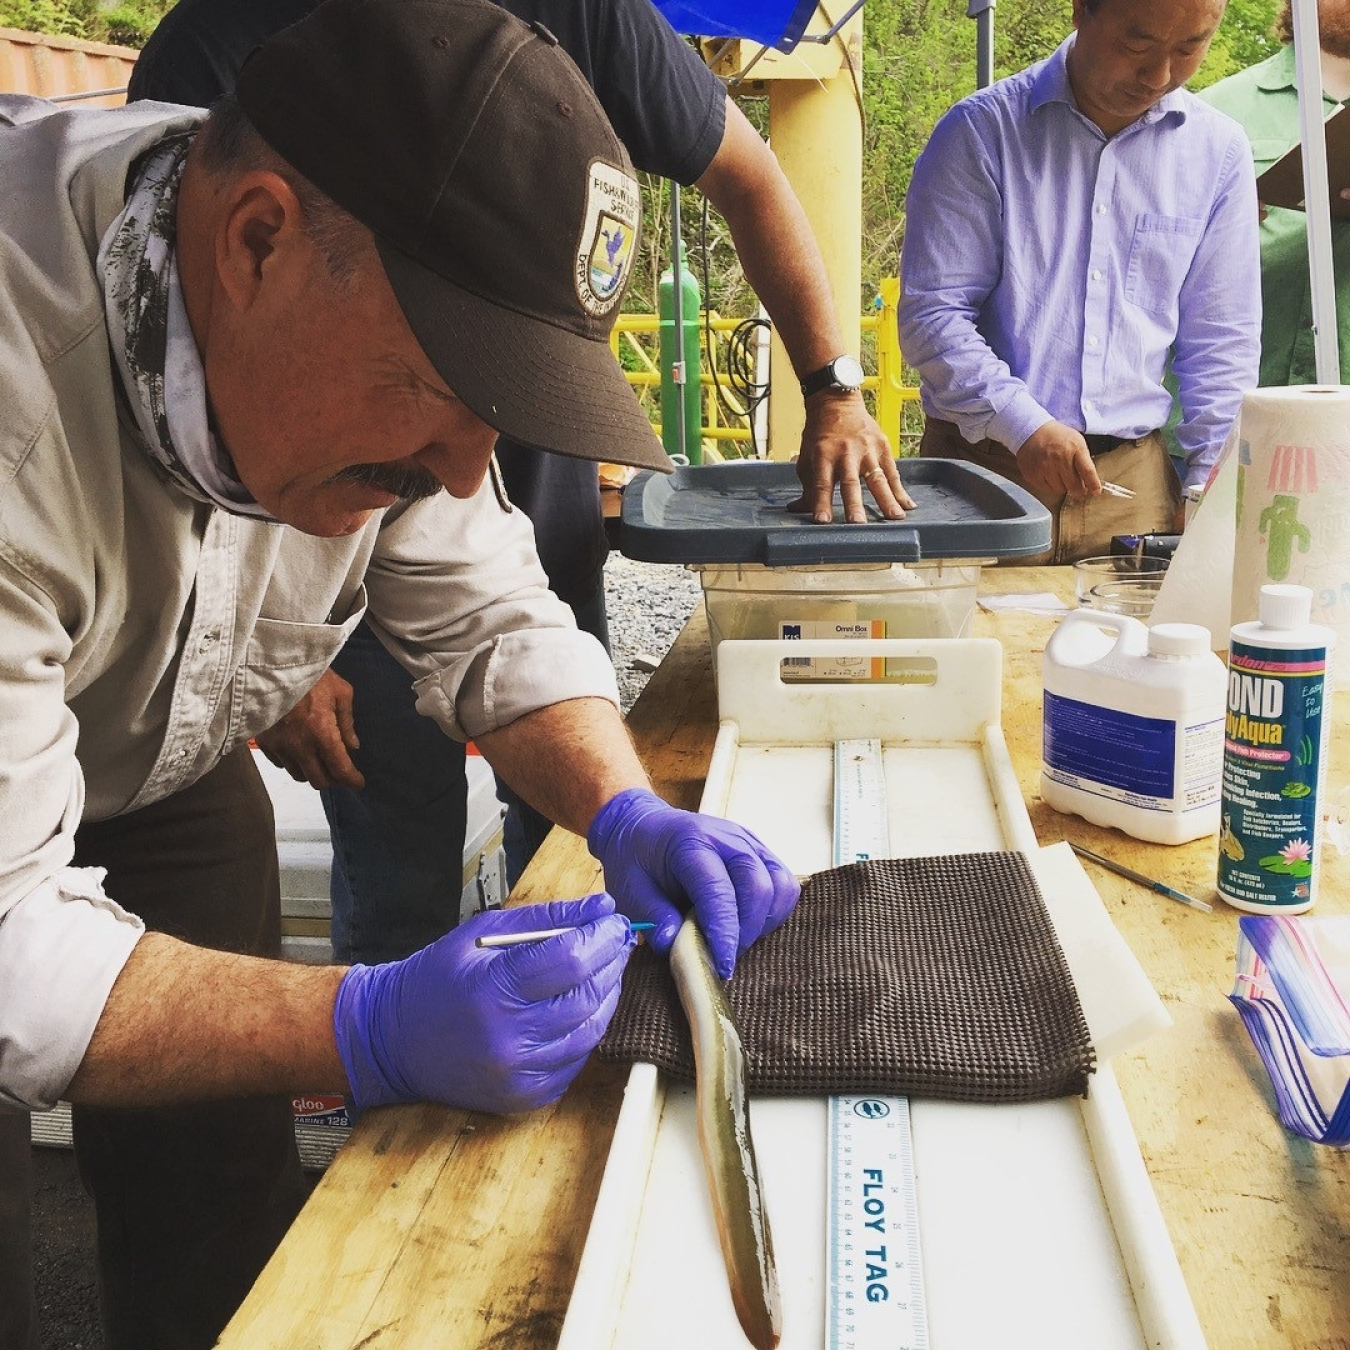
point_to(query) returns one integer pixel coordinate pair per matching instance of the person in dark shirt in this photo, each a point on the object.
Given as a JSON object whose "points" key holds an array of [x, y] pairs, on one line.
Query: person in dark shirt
{"points": [[393, 785]]}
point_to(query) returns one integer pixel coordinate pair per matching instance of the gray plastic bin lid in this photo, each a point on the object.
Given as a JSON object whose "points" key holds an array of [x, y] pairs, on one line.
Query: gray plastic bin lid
{"points": [[737, 513]]}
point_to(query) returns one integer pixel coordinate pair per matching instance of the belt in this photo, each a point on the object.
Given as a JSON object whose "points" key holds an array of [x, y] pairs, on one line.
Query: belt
{"points": [[1098, 444]]}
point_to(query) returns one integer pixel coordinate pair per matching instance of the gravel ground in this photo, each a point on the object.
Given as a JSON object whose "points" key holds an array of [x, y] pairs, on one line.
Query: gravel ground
{"points": [[648, 604], [63, 1254]]}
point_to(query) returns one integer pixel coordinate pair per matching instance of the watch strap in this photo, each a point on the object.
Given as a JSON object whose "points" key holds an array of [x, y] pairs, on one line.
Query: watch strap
{"points": [[827, 377]]}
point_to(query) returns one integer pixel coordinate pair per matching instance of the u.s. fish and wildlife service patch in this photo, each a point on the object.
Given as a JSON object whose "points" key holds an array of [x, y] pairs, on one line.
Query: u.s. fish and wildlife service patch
{"points": [[609, 233]]}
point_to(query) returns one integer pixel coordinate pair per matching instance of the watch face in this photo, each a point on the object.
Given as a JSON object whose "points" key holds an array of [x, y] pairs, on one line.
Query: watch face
{"points": [[848, 372]]}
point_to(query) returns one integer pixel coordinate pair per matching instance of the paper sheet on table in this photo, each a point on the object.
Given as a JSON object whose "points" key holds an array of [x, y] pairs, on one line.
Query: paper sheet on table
{"points": [[1119, 1004], [1033, 602]]}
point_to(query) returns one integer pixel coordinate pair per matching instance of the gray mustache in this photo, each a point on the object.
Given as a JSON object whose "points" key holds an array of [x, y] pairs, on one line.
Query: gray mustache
{"points": [[411, 482]]}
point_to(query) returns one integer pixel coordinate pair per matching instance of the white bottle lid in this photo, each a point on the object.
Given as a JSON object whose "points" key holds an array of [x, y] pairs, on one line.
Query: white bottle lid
{"points": [[1178, 639], [1286, 606]]}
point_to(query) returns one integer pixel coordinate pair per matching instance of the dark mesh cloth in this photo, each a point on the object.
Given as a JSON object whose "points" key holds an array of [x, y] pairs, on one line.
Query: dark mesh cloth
{"points": [[932, 977]]}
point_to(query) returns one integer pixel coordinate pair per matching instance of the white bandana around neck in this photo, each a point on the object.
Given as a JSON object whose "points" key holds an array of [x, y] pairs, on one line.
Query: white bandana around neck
{"points": [[152, 342]]}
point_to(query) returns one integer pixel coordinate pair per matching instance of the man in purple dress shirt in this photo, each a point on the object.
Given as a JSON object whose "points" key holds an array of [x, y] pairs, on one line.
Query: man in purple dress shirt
{"points": [[1069, 231]]}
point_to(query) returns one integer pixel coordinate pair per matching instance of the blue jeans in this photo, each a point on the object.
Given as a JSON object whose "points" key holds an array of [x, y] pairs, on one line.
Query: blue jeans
{"points": [[525, 828], [398, 843]]}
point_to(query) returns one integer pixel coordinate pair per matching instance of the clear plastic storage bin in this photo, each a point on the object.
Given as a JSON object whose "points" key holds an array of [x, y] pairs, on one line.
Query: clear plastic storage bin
{"points": [[769, 572], [887, 600]]}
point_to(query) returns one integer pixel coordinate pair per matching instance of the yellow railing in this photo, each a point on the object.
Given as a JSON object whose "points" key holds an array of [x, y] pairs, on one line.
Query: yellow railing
{"points": [[635, 337]]}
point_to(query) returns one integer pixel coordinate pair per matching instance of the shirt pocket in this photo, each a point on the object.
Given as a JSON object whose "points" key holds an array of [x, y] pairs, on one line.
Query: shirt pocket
{"points": [[282, 663], [1161, 253]]}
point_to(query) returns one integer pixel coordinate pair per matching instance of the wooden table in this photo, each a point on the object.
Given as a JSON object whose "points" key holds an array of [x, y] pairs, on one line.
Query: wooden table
{"points": [[437, 1228]]}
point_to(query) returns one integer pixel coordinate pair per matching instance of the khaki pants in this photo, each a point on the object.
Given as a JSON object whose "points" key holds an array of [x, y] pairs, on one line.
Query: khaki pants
{"points": [[190, 1200], [1081, 529]]}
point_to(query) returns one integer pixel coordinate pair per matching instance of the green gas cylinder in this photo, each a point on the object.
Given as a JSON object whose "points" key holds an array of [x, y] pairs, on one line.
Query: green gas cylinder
{"points": [[691, 302]]}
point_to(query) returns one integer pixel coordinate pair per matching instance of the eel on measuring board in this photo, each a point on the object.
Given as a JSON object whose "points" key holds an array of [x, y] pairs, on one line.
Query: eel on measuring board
{"points": [[724, 1137]]}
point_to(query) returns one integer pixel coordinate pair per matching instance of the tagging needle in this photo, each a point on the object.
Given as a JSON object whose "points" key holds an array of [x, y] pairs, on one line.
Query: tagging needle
{"points": [[1152, 883]]}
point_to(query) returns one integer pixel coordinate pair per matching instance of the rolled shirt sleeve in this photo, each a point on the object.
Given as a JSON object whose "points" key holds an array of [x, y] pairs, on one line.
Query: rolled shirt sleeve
{"points": [[63, 942], [62, 947], [507, 646]]}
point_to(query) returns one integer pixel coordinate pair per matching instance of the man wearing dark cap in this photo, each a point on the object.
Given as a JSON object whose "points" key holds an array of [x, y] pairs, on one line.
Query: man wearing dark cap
{"points": [[253, 372], [393, 788]]}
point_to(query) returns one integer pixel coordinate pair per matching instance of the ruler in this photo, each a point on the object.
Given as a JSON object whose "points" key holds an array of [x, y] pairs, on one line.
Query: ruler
{"points": [[874, 1273], [861, 828]]}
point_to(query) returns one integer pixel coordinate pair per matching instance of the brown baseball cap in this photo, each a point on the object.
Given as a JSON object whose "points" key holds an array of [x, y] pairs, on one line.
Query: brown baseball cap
{"points": [[504, 207]]}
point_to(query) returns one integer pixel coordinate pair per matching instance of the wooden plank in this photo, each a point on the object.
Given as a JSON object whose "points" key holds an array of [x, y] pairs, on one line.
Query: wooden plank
{"points": [[436, 1228], [448, 1228], [495, 1251], [357, 1226], [1260, 1219]]}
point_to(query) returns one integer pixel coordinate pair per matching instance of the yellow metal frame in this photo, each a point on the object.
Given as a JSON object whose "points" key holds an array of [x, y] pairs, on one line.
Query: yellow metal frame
{"points": [[638, 334]]}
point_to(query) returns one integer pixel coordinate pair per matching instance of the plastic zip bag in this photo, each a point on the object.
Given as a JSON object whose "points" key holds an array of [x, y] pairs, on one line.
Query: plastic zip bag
{"points": [[1293, 992]]}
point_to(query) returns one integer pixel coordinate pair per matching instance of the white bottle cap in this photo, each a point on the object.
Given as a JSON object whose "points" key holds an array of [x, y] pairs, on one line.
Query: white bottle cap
{"points": [[1286, 606], [1178, 639]]}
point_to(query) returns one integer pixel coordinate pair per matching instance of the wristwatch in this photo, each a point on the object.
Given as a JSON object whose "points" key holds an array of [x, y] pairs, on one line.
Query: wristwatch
{"points": [[844, 375]]}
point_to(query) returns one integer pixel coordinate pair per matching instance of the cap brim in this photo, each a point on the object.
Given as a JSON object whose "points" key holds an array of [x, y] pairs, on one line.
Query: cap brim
{"points": [[532, 381]]}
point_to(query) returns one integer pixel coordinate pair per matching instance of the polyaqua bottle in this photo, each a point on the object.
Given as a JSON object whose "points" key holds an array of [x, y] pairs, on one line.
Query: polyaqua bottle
{"points": [[1274, 755], [1133, 726]]}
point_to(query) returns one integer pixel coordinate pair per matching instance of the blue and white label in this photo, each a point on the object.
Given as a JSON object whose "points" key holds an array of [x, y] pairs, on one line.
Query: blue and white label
{"points": [[875, 1293], [1275, 740], [1149, 762]]}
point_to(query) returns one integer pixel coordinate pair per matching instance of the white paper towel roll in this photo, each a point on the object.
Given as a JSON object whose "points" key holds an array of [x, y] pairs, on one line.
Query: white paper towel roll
{"points": [[1198, 583], [1293, 504]]}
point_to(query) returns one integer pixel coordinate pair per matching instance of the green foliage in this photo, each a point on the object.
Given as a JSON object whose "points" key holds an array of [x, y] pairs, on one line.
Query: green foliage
{"points": [[1245, 37], [918, 59], [130, 23], [127, 24], [60, 18]]}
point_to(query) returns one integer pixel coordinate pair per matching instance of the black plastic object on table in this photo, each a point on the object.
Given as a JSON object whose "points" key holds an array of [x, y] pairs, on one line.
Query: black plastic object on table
{"points": [[737, 513], [1145, 545]]}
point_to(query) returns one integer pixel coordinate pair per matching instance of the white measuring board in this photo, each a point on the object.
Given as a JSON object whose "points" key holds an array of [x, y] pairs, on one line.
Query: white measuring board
{"points": [[1038, 1225], [873, 1255]]}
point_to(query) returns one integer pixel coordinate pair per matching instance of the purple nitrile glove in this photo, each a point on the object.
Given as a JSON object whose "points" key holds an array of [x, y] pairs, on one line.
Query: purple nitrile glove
{"points": [[492, 1029], [659, 860]]}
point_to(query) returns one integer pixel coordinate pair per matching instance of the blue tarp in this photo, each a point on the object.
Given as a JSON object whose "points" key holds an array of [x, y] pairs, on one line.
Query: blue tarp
{"points": [[775, 23]]}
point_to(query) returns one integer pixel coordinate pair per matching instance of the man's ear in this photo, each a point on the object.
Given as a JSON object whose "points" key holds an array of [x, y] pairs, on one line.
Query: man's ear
{"points": [[260, 231]]}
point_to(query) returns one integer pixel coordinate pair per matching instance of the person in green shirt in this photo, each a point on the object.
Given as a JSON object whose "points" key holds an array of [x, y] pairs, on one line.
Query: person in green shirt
{"points": [[1264, 99]]}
